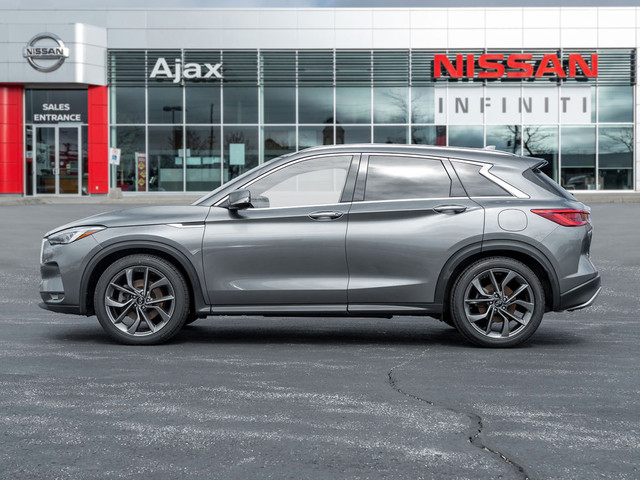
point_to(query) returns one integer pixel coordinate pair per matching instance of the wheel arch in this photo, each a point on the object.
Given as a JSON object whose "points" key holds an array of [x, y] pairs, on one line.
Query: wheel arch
{"points": [[113, 252], [527, 254]]}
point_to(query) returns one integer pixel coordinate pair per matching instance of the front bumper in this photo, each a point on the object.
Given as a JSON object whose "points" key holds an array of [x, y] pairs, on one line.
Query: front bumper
{"points": [[581, 296], [59, 308]]}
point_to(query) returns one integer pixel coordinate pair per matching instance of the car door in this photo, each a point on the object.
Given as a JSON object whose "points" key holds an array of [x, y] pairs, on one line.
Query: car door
{"points": [[288, 251], [409, 215]]}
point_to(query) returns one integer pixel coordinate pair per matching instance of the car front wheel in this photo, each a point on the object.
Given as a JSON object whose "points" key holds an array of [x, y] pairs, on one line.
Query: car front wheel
{"points": [[497, 302], [141, 300]]}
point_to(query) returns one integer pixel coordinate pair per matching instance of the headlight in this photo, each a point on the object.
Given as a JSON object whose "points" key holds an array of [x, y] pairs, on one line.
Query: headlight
{"points": [[72, 234]]}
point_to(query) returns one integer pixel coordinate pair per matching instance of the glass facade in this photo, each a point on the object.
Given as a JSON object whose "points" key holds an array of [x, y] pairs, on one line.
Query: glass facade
{"points": [[193, 135]]}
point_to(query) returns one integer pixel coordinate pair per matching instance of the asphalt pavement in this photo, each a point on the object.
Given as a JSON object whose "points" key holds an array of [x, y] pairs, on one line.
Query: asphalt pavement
{"points": [[252, 397]]}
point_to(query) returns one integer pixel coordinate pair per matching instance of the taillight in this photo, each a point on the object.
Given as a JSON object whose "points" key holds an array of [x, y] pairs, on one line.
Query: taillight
{"points": [[566, 218]]}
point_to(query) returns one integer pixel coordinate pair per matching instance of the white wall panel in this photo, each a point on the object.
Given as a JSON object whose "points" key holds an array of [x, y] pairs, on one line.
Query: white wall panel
{"points": [[578, 17], [504, 38], [541, 38], [616, 37], [391, 18], [466, 38], [316, 38], [429, 18], [316, 18], [353, 38], [361, 18], [541, 18], [579, 38], [503, 18], [466, 18], [429, 38], [616, 17]]}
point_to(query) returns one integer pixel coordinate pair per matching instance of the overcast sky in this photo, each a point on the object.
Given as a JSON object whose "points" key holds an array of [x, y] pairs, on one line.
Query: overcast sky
{"points": [[82, 4]]}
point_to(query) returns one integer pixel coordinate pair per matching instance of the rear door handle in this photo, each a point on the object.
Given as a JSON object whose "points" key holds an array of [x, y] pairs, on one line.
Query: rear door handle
{"points": [[450, 208], [325, 216]]}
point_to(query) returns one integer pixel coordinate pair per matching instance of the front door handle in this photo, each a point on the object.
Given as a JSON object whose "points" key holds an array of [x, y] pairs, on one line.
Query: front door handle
{"points": [[325, 216], [450, 208]]}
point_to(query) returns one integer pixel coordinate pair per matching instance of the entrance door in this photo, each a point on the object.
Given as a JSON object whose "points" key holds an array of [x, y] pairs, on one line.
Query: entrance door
{"points": [[57, 153]]}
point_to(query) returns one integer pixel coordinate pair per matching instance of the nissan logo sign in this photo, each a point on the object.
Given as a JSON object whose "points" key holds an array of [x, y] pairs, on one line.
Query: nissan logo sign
{"points": [[43, 55]]}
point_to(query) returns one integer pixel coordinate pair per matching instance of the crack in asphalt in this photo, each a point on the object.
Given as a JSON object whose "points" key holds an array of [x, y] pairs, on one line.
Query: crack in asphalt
{"points": [[475, 431]]}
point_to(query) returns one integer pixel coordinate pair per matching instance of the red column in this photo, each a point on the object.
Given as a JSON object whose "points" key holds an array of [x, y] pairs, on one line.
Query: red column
{"points": [[98, 140], [11, 140]]}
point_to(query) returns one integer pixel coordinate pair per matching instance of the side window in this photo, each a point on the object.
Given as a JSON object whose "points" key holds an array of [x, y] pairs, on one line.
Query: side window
{"points": [[317, 181], [475, 184], [398, 178]]}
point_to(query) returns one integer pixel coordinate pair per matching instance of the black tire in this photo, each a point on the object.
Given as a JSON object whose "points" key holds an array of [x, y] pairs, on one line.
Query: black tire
{"points": [[501, 317], [141, 299]]}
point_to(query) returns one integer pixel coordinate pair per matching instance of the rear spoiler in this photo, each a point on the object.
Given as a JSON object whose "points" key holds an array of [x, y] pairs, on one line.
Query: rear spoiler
{"points": [[541, 162]]}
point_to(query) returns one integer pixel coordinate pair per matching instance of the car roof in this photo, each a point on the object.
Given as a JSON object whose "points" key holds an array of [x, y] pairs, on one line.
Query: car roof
{"points": [[495, 157]]}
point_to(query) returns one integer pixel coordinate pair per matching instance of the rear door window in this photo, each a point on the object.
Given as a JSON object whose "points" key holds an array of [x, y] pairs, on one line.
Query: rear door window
{"points": [[400, 178]]}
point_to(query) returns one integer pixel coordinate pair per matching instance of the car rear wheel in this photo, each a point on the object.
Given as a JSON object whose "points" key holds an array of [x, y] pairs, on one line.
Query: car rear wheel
{"points": [[141, 300], [497, 302]]}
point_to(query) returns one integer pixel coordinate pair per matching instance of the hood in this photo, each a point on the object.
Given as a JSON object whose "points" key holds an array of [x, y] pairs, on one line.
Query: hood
{"points": [[130, 217]]}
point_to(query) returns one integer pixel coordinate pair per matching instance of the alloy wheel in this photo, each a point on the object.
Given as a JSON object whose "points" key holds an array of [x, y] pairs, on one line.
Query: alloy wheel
{"points": [[139, 300], [499, 303]]}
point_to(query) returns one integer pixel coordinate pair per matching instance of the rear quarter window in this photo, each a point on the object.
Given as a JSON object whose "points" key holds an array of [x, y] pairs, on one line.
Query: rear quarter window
{"points": [[475, 184], [541, 179], [400, 178]]}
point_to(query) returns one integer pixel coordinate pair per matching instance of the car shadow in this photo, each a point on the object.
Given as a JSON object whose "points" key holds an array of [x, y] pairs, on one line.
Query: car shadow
{"points": [[305, 331]]}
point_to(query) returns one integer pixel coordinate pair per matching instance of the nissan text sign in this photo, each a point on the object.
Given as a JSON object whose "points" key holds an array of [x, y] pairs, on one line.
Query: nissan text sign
{"points": [[516, 65]]}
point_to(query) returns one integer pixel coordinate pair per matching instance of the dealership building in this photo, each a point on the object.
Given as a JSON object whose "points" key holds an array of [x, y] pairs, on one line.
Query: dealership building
{"points": [[182, 100]]}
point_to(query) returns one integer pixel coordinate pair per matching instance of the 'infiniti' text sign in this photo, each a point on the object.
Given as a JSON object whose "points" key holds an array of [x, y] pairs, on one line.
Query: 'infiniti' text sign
{"points": [[512, 105]]}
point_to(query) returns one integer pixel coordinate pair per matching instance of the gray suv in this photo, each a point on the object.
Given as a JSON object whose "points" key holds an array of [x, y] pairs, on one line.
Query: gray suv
{"points": [[482, 240]]}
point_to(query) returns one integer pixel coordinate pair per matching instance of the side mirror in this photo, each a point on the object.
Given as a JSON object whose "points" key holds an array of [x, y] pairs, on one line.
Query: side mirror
{"points": [[239, 199]]}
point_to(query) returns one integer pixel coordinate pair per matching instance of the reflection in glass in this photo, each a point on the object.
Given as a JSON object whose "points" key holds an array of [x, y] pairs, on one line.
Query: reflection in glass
{"points": [[128, 176], [313, 136], [390, 105], [578, 153], [353, 104], [165, 104], [279, 104], [315, 104], [395, 178], [429, 135], [85, 160], [615, 104], [615, 158], [203, 103], [466, 136], [127, 105], [240, 104], [278, 141], [203, 158], [165, 159], [45, 155], [241, 151], [542, 142], [351, 134], [422, 106], [317, 181], [504, 137], [390, 134]]}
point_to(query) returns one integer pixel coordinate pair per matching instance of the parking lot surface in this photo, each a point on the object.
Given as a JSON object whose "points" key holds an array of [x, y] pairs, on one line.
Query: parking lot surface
{"points": [[252, 397]]}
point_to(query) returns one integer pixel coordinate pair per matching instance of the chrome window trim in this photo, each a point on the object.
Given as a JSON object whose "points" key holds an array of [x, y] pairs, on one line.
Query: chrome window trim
{"points": [[273, 170], [421, 199]]}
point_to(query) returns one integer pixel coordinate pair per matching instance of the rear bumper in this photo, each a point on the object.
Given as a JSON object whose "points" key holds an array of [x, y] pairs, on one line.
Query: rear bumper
{"points": [[581, 296]]}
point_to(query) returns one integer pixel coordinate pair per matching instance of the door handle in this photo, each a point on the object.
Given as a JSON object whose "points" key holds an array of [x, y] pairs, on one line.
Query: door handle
{"points": [[450, 208], [325, 216]]}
